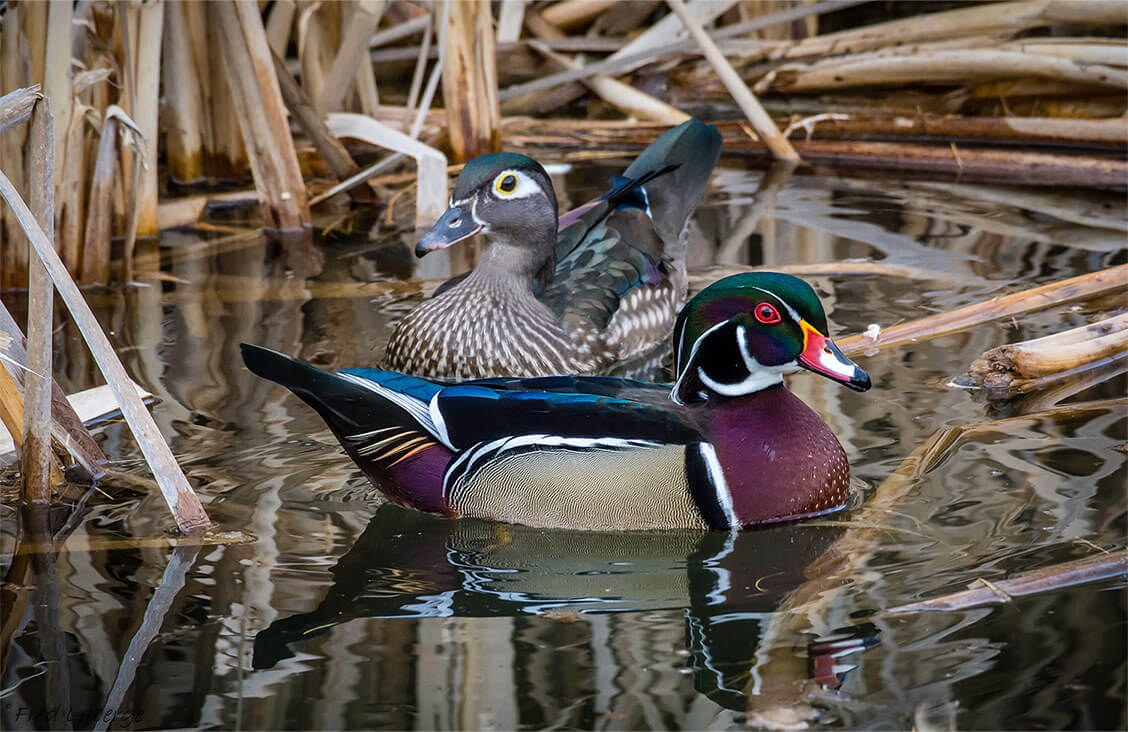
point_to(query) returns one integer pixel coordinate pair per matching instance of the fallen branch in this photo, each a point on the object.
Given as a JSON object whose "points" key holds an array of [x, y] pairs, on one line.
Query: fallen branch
{"points": [[1037, 298], [955, 66], [1071, 349], [1045, 579]]}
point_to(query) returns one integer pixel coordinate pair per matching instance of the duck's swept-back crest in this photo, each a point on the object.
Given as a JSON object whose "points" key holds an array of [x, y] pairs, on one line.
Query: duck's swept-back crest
{"points": [[737, 295]]}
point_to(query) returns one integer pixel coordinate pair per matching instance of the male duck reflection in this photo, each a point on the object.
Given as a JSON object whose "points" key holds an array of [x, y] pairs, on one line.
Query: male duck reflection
{"points": [[728, 446], [577, 295]]}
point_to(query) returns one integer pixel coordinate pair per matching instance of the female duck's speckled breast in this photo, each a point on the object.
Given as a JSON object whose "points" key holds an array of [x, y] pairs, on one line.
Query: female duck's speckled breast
{"points": [[468, 332]]}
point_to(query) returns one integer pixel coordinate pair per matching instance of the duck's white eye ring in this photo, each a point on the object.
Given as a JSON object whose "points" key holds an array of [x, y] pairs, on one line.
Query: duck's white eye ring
{"points": [[506, 183]]}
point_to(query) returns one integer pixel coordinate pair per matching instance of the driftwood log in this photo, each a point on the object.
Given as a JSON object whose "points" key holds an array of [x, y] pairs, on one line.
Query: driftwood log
{"points": [[1011, 365]]}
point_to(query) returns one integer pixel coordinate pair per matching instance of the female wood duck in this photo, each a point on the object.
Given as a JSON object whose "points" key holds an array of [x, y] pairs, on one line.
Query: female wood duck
{"points": [[547, 297], [728, 446]]}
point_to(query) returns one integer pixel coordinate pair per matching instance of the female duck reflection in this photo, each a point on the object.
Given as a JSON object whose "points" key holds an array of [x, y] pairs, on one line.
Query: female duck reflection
{"points": [[411, 564]]}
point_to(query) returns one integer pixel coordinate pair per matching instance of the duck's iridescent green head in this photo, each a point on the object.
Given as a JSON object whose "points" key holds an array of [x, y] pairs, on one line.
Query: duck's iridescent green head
{"points": [[742, 333], [506, 194]]}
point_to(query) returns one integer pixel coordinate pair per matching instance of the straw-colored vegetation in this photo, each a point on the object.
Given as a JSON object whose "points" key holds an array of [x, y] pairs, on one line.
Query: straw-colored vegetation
{"points": [[133, 86]]}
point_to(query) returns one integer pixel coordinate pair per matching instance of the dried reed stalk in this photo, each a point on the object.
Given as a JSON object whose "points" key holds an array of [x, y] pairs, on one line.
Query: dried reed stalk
{"points": [[1044, 579], [671, 29], [760, 120], [148, 75], [1003, 366], [315, 41], [510, 19], [57, 78], [417, 74], [13, 417], [301, 108], [184, 143], [182, 501], [570, 14], [470, 80], [344, 70], [229, 156], [630, 58], [1093, 50], [262, 118], [16, 106], [1112, 131], [631, 101], [279, 25], [995, 18], [99, 219], [938, 67], [70, 193], [14, 74], [1018, 303], [36, 457]]}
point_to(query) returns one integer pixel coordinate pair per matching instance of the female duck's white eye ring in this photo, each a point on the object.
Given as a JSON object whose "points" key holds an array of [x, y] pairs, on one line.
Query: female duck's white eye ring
{"points": [[506, 184]]}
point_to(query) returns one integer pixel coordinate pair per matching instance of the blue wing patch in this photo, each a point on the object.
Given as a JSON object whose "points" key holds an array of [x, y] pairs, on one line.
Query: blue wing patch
{"points": [[412, 386]]}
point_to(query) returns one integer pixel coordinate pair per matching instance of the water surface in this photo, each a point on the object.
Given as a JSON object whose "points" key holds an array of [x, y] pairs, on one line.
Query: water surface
{"points": [[344, 612]]}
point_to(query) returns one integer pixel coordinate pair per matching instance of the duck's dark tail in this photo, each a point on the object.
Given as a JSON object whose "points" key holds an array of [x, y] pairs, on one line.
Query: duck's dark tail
{"points": [[344, 405], [379, 424], [686, 154]]}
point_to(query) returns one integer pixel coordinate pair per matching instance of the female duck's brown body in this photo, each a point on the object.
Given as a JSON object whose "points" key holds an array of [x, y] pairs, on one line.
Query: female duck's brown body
{"points": [[575, 295]]}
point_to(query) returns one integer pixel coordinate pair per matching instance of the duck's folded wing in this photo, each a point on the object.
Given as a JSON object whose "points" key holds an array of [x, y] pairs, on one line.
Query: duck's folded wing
{"points": [[646, 392], [469, 414], [599, 264]]}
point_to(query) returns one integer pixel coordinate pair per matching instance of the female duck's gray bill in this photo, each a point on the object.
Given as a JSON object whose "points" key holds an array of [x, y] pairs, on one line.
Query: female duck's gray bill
{"points": [[452, 227]]}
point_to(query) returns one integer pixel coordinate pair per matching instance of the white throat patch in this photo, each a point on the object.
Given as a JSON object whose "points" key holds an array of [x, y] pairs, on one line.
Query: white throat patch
{"points": [[759, 376]]}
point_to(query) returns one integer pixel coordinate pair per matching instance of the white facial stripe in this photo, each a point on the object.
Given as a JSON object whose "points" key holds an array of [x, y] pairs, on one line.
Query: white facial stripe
{"points": [[692, 353], [833, 364], [526, 186], [790, 310]]}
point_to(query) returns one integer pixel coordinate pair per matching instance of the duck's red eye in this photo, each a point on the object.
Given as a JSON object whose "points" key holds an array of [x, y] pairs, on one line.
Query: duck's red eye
{"points": [[766, 314]]}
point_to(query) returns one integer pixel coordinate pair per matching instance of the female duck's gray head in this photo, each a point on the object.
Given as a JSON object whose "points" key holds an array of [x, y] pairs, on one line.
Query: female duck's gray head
{"points": [[506, 195]]}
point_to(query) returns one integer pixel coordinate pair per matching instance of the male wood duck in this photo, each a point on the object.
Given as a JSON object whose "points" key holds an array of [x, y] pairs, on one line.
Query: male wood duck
{"points": [[577, 295], [726, 447]]}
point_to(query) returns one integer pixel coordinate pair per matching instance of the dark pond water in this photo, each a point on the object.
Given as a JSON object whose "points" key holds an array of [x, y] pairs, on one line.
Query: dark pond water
{"points": [[343, 612]]}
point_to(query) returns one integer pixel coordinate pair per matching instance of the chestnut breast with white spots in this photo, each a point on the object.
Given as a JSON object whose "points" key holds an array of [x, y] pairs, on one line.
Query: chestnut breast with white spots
{"points": [[780, 460]]}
